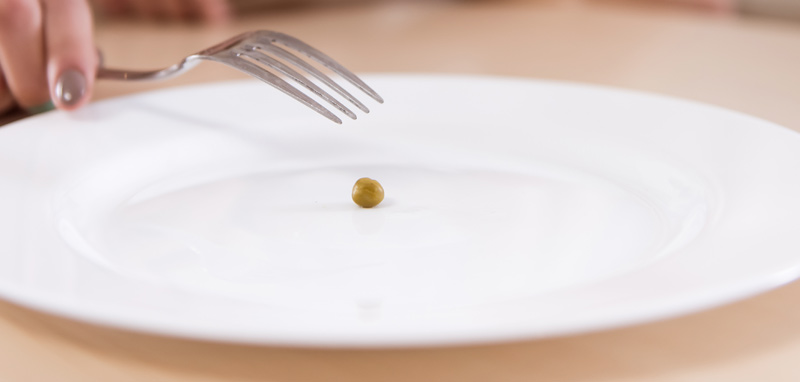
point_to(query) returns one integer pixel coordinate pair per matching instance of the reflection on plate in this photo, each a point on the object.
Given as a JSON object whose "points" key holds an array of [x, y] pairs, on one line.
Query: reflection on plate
{"points": [[514, 209]]}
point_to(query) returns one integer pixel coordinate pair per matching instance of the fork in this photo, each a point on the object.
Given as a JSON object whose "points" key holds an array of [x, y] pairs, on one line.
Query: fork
{"points": [[269, 49]]}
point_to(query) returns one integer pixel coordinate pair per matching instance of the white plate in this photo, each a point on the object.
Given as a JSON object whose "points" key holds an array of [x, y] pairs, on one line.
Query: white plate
{"points": [[514, 209]]}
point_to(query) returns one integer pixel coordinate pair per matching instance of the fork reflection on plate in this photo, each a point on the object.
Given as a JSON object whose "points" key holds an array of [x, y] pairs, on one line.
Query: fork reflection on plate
{"points": [[251, 52]]}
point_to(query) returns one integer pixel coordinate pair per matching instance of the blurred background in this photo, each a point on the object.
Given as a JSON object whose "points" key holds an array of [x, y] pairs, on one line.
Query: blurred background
{"points": [[716, 51], [742, 55]]}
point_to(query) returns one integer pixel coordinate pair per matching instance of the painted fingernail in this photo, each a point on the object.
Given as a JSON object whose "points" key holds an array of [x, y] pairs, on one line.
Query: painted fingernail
{"points": [[38, 109], [70, 87]]}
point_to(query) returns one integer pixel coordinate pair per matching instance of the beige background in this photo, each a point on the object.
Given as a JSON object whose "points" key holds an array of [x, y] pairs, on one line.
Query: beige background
{"points": [[746, 64]]}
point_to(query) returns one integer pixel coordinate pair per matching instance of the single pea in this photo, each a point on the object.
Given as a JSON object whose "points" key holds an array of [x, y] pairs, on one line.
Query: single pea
{"points": [[367, 192]]}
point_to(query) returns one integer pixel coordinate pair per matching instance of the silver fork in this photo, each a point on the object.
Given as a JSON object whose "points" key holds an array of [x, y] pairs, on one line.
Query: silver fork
{"points": [[268, 48]]}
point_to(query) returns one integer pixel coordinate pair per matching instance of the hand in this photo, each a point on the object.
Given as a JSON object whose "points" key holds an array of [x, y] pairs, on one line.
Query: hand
{"points": [[46, 53], [204, 10]]}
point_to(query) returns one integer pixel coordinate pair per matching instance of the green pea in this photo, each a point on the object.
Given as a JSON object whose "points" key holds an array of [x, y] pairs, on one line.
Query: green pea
{"points": [[367, 193]]}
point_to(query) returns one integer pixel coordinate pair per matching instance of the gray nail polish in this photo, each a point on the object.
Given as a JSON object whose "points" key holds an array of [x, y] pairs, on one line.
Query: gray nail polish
{"points": [[70, 87]]}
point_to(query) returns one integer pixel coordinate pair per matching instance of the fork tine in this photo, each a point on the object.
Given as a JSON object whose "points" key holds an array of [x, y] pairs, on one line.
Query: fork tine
{"points": [[299, 46], [300, 63], [299, 78], [256, 71]]}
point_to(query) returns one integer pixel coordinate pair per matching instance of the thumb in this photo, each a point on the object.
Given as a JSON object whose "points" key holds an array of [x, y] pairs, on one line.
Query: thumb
{"points": [[71, 55]]}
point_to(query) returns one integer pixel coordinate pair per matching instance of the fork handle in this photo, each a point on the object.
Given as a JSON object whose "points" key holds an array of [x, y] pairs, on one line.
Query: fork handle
{"points": [[122, 74], [104, 73]]}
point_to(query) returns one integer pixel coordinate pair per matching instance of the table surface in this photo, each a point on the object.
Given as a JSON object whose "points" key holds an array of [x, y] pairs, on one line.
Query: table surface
{"points": [[746, 64]]}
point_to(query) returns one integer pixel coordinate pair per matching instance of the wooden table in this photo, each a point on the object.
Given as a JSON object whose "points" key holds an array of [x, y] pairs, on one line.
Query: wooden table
{"points": [[745, 64]]}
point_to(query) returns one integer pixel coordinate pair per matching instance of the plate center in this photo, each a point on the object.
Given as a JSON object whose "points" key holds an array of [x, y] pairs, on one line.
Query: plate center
{"points": [[443, 237]]}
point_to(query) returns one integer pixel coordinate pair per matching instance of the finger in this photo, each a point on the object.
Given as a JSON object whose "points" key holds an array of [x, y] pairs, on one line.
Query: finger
{"points": [[71, 54], [22, 51]]}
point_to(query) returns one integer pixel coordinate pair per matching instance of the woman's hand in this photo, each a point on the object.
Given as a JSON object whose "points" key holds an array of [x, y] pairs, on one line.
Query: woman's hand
{"points": [[46, 53]]}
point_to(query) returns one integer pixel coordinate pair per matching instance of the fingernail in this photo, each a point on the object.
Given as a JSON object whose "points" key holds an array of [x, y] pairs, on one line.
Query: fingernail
{"points": [[70, 87], [38, 109]]}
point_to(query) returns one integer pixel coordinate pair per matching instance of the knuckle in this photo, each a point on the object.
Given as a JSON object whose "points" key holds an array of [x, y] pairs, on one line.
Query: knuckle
{"points": [[19, 13]]}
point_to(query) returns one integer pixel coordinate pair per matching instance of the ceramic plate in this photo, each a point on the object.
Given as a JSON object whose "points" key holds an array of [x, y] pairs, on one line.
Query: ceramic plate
{"points": [[515, 209]]}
